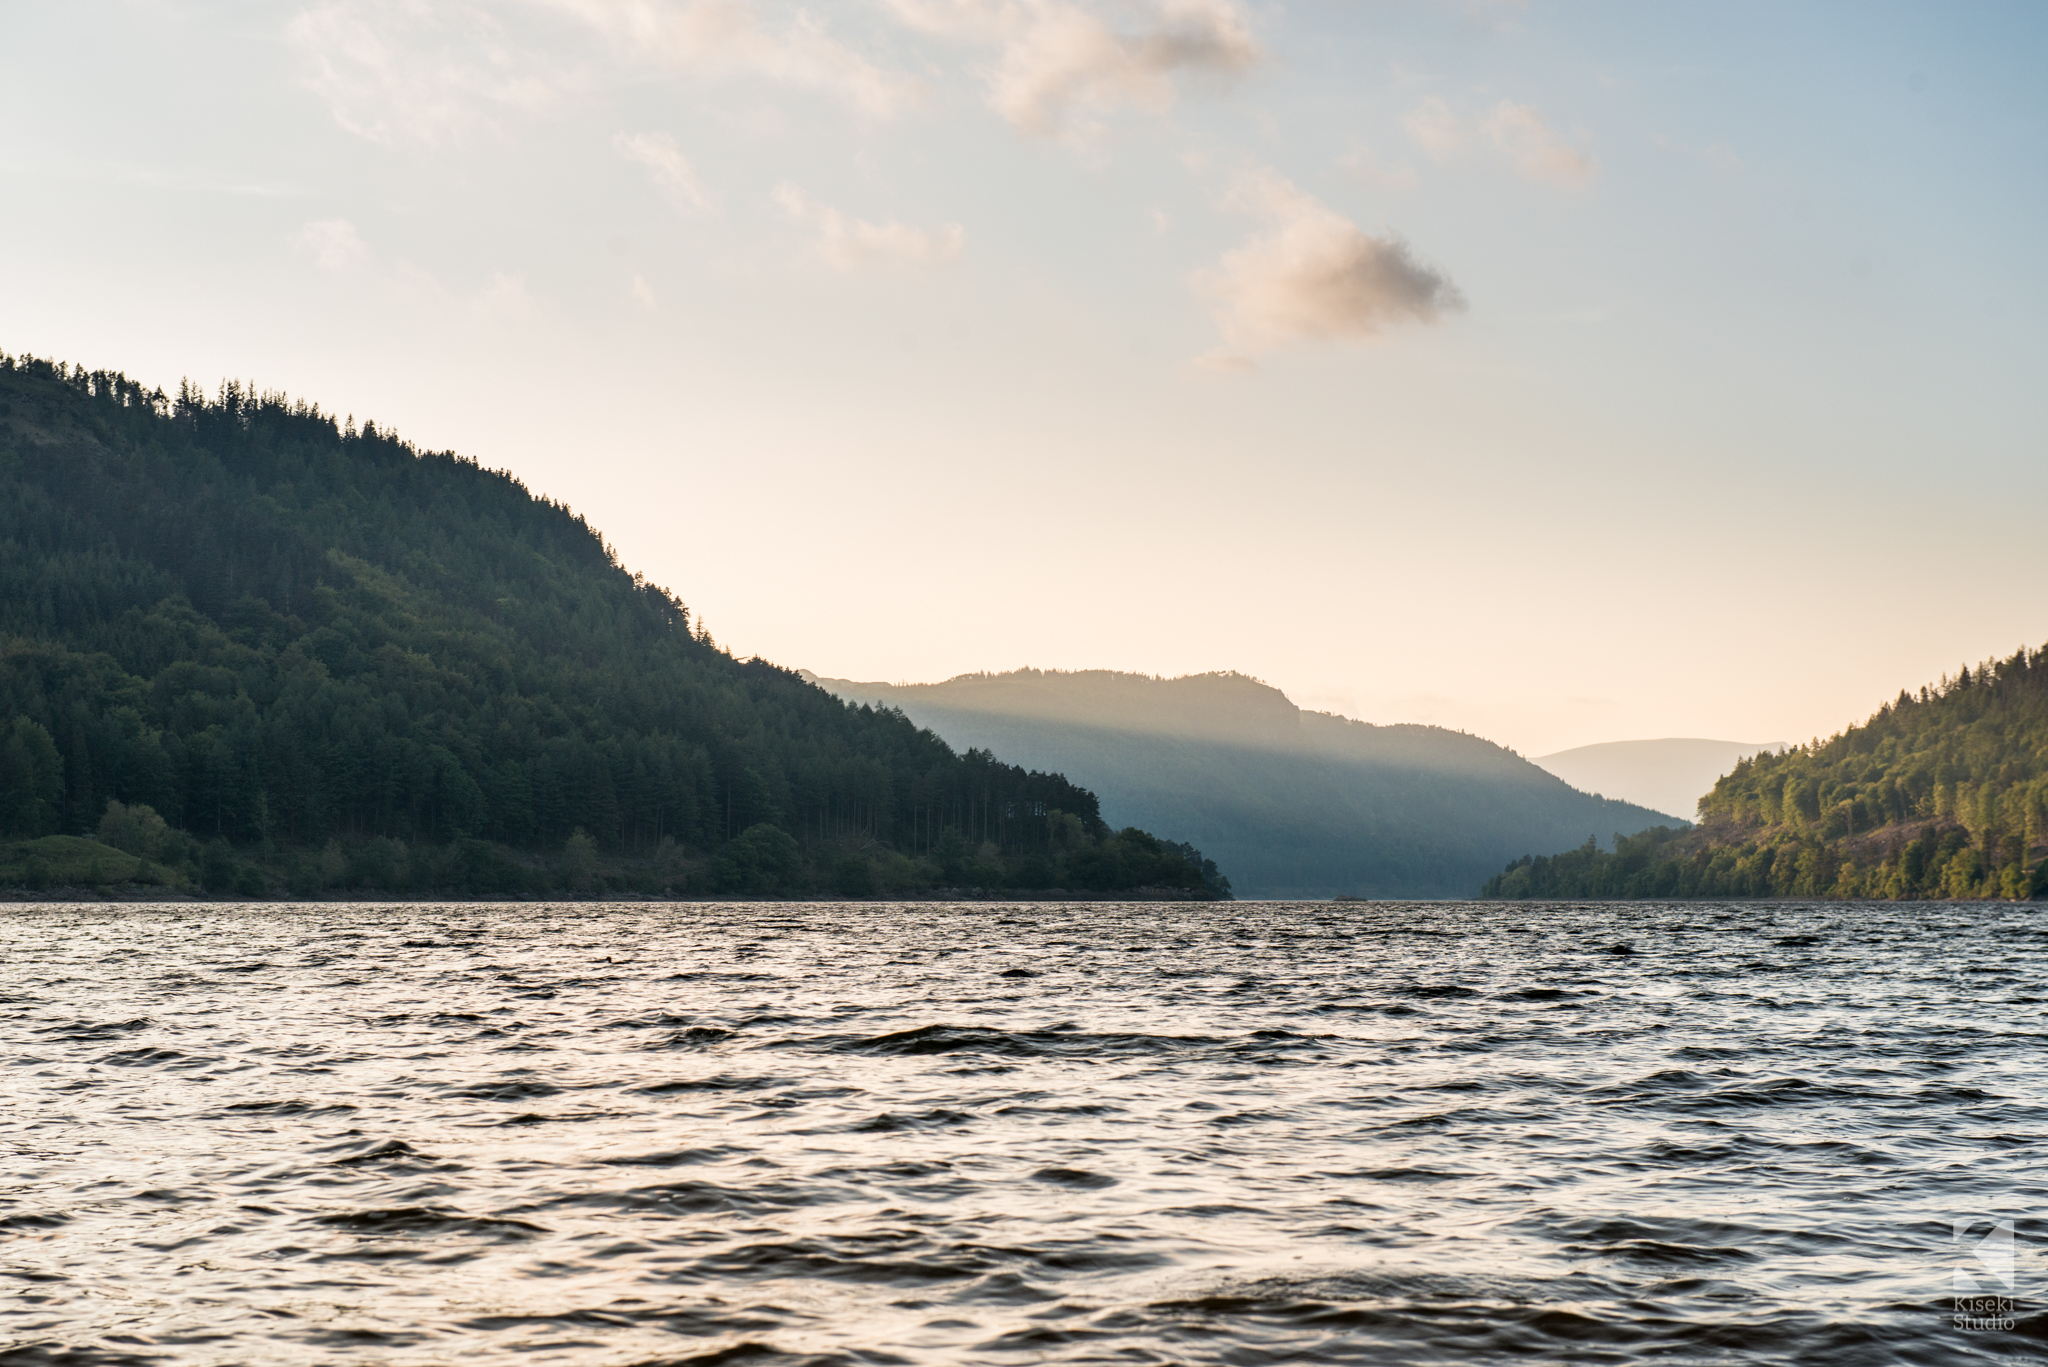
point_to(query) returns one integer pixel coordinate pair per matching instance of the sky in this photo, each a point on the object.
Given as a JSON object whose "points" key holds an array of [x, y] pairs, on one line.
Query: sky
{"points": [[1559, 373]]}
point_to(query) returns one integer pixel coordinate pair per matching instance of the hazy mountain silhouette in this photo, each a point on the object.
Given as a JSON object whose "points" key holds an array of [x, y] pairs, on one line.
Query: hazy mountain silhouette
{"points": [[1669, 775], [1292, 803]]}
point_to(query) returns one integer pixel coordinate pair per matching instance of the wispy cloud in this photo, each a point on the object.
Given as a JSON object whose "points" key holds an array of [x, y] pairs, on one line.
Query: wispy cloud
{"points": [[396, 70], [1536, 148], [849, 244], [667, 167], [504, 298], [1436, 129], [333, 243], [1370, 167], [1060, 67], [1516, 132], [730, 38], [1314, 275], [433, 70]]}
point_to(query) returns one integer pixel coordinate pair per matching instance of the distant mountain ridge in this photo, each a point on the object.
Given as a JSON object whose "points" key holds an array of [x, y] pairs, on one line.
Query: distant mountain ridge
{"points": [[1669, 775], [1293, 803]]}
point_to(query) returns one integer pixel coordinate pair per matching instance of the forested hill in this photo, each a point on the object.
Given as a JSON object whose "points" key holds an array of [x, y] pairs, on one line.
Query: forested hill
{"points": [[1942, 794], [255, 649], [1294, 803]]}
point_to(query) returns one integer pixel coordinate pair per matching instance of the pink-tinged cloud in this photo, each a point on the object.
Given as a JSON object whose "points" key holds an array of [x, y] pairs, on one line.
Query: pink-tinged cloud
{"points": [[1060, 67], [729, 38], [848, 244], [1536, 149], [393, 71], [1313, 275], [1514, 132], [667, 167]]}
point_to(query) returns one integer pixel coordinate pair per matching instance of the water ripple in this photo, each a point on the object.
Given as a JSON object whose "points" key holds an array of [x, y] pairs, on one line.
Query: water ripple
{"points": [[844, 1135]]}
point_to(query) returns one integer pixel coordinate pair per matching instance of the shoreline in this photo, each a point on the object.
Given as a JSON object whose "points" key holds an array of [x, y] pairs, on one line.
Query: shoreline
{"points": [[160, 896]]}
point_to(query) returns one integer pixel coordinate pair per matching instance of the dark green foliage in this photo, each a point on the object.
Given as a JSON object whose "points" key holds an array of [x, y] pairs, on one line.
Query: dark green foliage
{"points": [[1133, 859], [1212, 877], [1034, 871], [31, 779], [219, 870], [343, 664], [1635, 870], [768, 858], [855, 877], [136, 830], [1941, 794], [480, 867]]}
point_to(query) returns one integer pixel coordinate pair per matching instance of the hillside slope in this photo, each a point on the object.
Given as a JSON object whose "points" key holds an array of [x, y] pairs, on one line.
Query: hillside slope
{"points": [[1293, 803], [1942, 793], [331, 661]]}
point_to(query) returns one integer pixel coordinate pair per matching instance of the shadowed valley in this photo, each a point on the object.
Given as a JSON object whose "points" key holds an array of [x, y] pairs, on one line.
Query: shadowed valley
{"points": [[1293, 803]]}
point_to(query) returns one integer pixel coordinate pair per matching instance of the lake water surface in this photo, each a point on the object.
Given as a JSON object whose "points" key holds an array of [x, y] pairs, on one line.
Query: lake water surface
{"points": [[1033, 1133]]}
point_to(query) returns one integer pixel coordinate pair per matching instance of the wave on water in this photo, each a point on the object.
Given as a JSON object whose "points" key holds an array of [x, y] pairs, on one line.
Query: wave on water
{"points": [[926, 1134]]}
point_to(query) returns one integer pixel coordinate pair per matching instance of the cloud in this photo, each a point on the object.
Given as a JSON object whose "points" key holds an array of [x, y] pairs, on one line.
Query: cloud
{"points": [[392, 70], [1440, 132], [851, 243], [728, 38], [1514, 131], [432, 70], [1368, 166], [506, 297], [1314, 275], [1537, 151], [333, 243], [641, 292], [669, 169], [1060, 66]]}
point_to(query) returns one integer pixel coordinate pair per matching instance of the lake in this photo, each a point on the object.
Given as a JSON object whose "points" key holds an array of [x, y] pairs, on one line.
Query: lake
{"points": [[1023, 1133]]}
